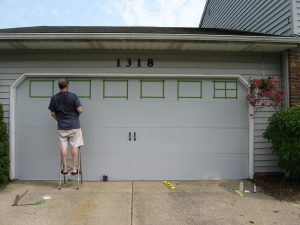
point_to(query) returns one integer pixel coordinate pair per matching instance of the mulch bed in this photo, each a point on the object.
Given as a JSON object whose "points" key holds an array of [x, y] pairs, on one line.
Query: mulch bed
{"points": [[279, 186]]}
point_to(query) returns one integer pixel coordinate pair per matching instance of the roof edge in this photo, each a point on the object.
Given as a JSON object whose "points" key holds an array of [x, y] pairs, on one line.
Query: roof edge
{"points": [[148, 36]]}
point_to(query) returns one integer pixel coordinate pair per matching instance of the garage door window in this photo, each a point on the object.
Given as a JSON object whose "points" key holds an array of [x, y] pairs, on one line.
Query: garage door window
{"points": [[225, 89], [83, 88], [189, 89], [152, 89], [41, 88], [115, 89]]}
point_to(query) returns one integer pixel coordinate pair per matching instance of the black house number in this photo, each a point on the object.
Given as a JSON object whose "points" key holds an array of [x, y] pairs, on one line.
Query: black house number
{"points": [[129, 62]]}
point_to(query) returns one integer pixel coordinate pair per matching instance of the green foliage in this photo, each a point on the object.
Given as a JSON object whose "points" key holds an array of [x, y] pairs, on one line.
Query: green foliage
{"points": [[284, 133], [4, 150]]}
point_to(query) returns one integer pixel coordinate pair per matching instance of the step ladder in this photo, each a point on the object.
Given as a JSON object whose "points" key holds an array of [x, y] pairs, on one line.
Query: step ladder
{"points": [[78, 176]]}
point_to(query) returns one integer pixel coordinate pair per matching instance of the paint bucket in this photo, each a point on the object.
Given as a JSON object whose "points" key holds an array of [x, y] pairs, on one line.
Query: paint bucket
{"points": [[105, 177]]}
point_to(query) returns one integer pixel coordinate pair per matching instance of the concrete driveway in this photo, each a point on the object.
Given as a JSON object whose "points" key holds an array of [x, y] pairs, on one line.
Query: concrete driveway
{"points": [[143, 203]]}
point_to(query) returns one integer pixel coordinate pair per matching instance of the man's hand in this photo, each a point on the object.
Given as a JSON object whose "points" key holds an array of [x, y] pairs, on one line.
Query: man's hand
{"points": [[79, 110], [53, 115]]}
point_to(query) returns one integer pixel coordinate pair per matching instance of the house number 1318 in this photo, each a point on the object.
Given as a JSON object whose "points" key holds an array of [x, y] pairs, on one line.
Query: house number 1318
{"points": [[135, 62]]}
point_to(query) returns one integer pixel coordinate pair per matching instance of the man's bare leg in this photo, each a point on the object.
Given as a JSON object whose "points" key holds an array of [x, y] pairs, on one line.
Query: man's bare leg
{"points": [[63, 154], [74, 159]]}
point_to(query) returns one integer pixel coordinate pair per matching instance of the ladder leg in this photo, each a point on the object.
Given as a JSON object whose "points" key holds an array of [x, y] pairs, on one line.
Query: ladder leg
{"points": [[78, 168], [59, 183]]}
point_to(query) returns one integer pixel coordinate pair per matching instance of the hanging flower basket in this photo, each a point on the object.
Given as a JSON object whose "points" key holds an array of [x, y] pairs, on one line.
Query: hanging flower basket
{"points": [[265, 92]]}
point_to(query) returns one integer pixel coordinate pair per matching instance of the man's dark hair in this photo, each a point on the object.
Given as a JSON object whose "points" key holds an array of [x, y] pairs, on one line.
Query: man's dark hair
{"points": [[62, 83]]}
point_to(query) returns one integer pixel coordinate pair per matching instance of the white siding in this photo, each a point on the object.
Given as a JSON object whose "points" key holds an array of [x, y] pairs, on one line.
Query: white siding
{"points": [[246, 64], [263, 16], [296, 16], [6, 79]]}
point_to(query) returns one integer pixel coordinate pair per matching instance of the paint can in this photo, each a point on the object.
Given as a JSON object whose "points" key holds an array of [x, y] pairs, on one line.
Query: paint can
{"points": [[105, 178]]}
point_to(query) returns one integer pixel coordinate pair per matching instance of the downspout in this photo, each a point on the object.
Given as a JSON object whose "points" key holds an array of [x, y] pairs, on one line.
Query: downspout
{"points": [[251, 131], [251, 141]]}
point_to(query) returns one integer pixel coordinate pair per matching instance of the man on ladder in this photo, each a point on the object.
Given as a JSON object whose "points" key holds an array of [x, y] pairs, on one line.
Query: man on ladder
{"points": [[65, 107]]}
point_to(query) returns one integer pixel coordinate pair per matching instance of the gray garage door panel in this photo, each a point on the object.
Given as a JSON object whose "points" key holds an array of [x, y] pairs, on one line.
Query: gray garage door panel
{"points": [[166, 114], [151, 140], [184, 139], [138, 167], [37, 140], [37, 166], [167, 166], [164, 140], [34, 114]]}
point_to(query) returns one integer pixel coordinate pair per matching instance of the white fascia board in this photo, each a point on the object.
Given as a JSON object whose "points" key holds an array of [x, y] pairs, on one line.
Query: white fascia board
{"points": [[147, 36]]}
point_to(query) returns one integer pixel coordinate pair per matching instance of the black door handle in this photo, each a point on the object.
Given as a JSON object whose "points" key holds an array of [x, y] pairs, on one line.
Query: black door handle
{"points": [[134, 136], [129, 136]]}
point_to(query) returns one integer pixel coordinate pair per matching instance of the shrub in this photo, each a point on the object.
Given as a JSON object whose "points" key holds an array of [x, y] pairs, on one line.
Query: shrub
{"points": [[283, 132], [4, 150]]}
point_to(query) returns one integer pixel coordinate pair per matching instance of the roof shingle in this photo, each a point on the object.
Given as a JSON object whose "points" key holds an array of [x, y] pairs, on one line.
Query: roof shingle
{"points": [[124, 29]]}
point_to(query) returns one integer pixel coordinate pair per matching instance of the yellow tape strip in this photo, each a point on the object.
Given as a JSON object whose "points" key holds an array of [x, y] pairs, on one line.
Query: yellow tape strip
{"points": [[169, 185], [240, 193]]}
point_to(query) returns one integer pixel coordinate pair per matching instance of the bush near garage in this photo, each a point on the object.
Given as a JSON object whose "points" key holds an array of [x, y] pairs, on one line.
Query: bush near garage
{"points": [[283, 132], [4, 150]]}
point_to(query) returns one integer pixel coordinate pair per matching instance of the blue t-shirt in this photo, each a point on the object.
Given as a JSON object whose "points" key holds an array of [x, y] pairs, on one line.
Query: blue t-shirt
{"points": [[64, 104]]}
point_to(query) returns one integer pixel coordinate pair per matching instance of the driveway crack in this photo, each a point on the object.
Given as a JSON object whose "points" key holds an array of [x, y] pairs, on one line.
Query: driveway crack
{"points": [[131, 203]]}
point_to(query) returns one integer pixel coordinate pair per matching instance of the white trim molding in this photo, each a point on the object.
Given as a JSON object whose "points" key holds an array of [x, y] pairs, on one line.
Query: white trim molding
{"points": [[14, 86]]}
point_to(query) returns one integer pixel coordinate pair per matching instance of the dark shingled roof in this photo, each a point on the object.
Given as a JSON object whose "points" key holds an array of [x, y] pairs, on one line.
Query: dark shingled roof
{"points": [[110, 29]]}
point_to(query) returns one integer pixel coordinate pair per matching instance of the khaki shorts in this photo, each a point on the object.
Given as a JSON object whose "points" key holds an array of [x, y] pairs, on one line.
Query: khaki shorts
{"points": [[72, 137]]}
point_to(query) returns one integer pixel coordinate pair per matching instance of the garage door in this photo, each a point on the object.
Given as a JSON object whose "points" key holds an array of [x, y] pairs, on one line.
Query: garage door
{"points": [[139, 129]]}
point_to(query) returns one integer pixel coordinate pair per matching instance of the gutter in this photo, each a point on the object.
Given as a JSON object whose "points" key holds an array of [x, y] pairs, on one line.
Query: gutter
{"points": [[148, 36]]}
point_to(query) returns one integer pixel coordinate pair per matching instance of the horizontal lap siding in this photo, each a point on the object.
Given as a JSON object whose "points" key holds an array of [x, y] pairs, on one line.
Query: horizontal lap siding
{"points": [[264, 160], [296, 11], [6, 80], [247, 64], [267, 16]]}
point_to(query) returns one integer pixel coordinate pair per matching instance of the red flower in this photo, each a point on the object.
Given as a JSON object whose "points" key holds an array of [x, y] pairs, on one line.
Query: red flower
{"points": [[265, 92], [258, 83]]}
